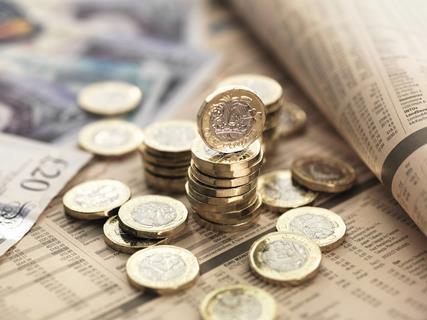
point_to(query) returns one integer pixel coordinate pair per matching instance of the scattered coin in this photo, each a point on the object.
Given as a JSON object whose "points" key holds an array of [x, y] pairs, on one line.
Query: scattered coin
{"points": [[153, 216], [119, 240], [324, 174], [284, 258], [110, 137], [231, 119], [109, 98], [164, 269], [268, 89], [238, 302], [95, 199], [292, 119], [323, 226], [280, 193]]}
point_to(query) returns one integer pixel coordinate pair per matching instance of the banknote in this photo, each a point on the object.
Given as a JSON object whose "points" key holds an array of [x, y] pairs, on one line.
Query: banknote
{"points": [[31, 174], [38, 95]]}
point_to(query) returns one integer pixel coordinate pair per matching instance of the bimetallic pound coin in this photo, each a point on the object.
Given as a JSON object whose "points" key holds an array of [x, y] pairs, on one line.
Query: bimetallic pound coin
{"points": [[280, 193], [284, 258], [324, 174], [220, 227], [231, 119], [109, 98], [153, 216], [170, 136], [95, 199], [248, 196], [110, 137], [291, 119], [238, 302], [222, 182], [165, 184], [119, 240], [211, 160], [323, 226], [269, 90], [164, 269]]}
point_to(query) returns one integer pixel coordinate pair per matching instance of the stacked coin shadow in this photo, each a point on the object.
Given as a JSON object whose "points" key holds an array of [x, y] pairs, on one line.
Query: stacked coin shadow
{"points": [[222, 188], [166, 154]]}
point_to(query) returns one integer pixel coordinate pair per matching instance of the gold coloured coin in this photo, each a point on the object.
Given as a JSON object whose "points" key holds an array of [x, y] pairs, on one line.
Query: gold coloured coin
{"points": [[119, 240], [219, 227], [109, 98], [279, 192], [292, 119], [284, 258], [269, 90], [233, 217], [272, 120], [153, 216], [224, 200], [222, 182], [170, 136], [219, 192], [95, 199], [166, 184], [323, 226], [163, 269], [172, 162], [110, 137], [199, 206], [231, 119], [324, 174], [211, 160], [238, 302], [166, 171]]}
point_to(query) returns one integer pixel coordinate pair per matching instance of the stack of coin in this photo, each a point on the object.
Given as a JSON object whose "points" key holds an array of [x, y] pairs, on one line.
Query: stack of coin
{"points": [[271, 93], [221, 187], [226, 160], [166, 154]]}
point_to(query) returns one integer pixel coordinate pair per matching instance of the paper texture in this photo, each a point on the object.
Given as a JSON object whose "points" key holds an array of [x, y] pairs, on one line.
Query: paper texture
{"points": [[31, 174], [62, 268], [364, 65]]}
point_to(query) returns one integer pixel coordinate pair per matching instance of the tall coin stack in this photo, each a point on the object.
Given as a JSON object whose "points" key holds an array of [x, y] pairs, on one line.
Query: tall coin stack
{"points": [[271, 93], [166, 154], [226, 160]]}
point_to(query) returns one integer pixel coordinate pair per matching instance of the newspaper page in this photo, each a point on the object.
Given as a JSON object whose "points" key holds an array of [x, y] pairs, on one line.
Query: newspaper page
{"points": [[63, 270], [364, 65]]}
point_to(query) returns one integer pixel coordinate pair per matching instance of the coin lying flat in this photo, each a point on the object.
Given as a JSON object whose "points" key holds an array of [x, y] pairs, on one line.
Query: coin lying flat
{"points": [[164, 269], [211, 160], [222, 182], [323, 226], [284, 258], [279, 192], [118, 240], [292, 119], [168, 185], [110, 137], [109, 98], [95, 199], [238, 302], [172, 162], [170, 137], [153, 216], [268, 89], [323, 174], [231, 119], [220, 227], [224, 200]]}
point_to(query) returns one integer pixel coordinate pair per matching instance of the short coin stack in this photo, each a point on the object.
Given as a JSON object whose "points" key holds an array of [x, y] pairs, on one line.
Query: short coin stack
{"points": [[166, 154], [226, 160], [271, 93]]}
